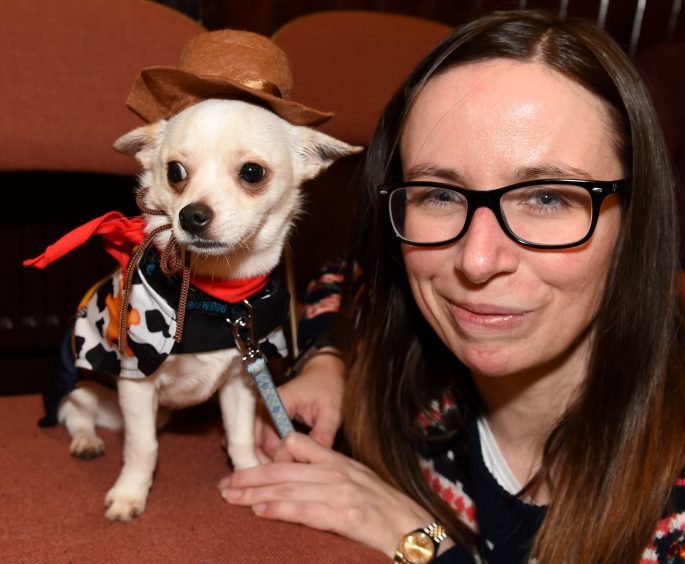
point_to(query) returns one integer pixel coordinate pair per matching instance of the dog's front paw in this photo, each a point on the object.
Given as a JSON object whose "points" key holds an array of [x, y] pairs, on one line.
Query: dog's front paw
{"points": [[242, 456], [86, 446], [123, 506]]}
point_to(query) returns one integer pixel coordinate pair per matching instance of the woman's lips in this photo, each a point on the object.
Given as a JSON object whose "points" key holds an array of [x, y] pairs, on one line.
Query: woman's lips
{"points": [[487, 316]]}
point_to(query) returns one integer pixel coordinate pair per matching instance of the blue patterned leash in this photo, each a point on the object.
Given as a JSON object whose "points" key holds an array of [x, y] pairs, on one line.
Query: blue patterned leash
{"points": [[254, 363]]}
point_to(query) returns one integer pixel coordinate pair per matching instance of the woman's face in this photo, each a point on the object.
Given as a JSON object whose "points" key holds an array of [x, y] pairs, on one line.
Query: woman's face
{"points": [[500, 307]]}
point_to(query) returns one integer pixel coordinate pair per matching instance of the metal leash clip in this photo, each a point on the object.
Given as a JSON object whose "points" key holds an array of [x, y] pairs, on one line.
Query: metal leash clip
{"points": [[244, 325], [254, 362]]}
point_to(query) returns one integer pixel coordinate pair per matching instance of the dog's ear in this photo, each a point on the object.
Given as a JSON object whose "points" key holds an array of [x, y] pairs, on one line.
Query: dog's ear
{"points": [[317, 151], [141, 142]]}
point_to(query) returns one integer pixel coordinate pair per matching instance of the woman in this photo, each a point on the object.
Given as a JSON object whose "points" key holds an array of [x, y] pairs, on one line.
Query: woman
{"points": [[547, 414]]}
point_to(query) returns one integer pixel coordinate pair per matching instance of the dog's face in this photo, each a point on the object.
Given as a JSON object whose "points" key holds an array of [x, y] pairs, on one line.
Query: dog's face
{"points": [[228, 175]]}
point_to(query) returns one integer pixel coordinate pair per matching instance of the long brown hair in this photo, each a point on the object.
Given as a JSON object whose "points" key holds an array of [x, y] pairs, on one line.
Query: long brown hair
{"points": [[616, 453]]}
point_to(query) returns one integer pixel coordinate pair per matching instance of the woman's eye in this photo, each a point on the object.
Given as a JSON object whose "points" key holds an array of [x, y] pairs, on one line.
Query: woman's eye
{"points": [[252, 173], [547, 198], [554, 200], [440, 197], [175, 172]]}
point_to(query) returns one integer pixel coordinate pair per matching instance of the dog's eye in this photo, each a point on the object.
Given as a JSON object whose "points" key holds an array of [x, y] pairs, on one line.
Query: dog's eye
{"points": [[252, 173], [175, 172]]}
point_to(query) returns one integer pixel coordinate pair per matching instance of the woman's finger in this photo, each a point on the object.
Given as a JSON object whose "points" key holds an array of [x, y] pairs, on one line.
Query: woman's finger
{"points": [[302, 448], [326, 426], [335, 495], [312, 514], [269, 440], [281, 472]]}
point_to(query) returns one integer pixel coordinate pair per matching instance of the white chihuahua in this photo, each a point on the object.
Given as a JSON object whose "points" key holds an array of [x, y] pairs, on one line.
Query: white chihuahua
{"points": [[226, 175]]}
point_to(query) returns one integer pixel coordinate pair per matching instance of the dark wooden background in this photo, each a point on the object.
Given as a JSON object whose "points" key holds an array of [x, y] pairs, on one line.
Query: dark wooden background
{"points": [[635, 23]]}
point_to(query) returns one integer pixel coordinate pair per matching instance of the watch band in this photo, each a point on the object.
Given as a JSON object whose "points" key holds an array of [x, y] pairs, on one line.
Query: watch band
{"points": [[434, 531]]}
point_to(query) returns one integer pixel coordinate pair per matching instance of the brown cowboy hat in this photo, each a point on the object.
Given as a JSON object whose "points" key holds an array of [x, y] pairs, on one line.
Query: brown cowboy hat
{"points": [[229, 64]]}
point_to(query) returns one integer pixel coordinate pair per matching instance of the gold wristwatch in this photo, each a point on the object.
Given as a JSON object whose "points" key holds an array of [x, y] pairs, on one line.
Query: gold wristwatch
{"points": [[420, 546]]}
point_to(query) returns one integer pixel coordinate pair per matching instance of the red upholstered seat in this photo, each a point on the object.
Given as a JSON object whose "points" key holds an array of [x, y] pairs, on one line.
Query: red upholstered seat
{"points": [[349, 62], [67, 67], [52, 504]]}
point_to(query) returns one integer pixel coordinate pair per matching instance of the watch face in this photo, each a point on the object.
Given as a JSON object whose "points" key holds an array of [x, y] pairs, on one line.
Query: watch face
{"points": [[418, 547]]}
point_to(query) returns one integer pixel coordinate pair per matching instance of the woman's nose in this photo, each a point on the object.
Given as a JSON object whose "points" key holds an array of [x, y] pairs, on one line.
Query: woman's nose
{"points": [[485, 250]]}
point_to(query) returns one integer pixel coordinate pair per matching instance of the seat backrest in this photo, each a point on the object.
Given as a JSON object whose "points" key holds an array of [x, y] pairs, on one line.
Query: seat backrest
{"points": [[351, 63], [67, 68]]}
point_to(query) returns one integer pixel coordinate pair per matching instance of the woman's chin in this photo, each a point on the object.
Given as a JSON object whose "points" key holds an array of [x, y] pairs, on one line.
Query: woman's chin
{"points": [[489, 361]]}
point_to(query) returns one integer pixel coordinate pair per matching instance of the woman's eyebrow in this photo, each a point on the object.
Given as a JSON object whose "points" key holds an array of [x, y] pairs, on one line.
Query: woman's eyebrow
{"points": [[452, 176], [551, 171], [448, 175]]}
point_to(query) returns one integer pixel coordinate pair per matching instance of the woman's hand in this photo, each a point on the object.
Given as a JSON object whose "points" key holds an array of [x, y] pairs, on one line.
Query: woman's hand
{"points": [[325, 490], [314, 397]]}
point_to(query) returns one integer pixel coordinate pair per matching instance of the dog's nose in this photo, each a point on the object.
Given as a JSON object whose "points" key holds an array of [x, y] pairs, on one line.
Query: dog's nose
{"points": [[195, 217]]}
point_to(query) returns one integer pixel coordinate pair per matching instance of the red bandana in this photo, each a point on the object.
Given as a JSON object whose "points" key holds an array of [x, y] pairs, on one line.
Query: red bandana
{"points": [[120, 235]]}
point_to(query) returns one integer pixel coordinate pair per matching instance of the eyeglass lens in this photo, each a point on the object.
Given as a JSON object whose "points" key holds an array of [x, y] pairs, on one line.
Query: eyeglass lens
{"points": [[545, 214]]}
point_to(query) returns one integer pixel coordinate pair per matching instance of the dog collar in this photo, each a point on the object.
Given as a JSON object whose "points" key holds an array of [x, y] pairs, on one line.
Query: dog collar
{"points": [[230, 290], [208, 318]]}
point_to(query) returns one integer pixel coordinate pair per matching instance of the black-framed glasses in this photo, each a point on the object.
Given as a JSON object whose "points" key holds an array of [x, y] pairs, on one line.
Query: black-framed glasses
{"points": [[556, 213]]}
